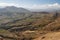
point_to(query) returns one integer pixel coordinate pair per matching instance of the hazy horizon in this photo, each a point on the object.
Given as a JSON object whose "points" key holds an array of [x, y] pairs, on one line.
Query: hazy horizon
{"points": [[31, 4]]}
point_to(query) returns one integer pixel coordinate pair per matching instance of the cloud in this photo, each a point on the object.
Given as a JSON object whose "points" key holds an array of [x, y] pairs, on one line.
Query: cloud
{"points": [[8, 4], [33, 6], [46, 6]]}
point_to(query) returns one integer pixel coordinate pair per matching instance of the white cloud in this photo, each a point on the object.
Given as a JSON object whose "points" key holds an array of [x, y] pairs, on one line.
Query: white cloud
{"points": [[8, 4], [34, 6], [46, 6]]}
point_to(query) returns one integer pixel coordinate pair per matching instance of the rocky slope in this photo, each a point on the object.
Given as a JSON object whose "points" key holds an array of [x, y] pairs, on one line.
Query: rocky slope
{"points": [[37, 26]]}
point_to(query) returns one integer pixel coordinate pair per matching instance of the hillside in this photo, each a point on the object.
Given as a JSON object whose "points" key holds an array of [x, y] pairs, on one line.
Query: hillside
{"points": [[10, 13], [29, 25], [50, 36]]}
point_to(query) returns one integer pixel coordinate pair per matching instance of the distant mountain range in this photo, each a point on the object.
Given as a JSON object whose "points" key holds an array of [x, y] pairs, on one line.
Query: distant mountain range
{"points": [[13, 9], [45, 10], [20, 9]]}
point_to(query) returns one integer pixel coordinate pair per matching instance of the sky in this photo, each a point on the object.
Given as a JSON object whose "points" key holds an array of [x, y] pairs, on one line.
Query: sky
{"points": [[31, 4]]}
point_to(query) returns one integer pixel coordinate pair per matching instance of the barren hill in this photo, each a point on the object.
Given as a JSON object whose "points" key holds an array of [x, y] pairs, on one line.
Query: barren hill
{"points": [[31, 26]]}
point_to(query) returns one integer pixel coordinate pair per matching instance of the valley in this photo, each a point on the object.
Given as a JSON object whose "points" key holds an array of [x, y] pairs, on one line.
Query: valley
{"points": [[29, 25]]}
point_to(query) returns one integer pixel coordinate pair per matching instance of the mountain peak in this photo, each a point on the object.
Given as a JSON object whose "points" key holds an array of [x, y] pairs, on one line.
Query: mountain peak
{"points": [[13, 9], [10, 7]]}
